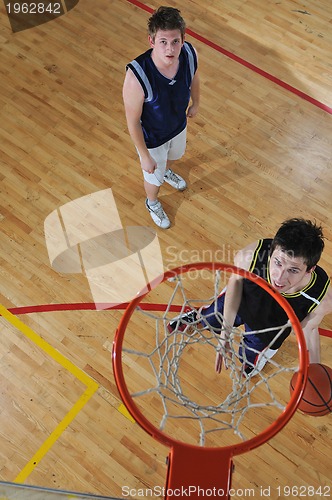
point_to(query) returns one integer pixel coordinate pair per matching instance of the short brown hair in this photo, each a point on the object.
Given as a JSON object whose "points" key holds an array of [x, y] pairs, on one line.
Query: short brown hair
{"points": [[166, 18]]}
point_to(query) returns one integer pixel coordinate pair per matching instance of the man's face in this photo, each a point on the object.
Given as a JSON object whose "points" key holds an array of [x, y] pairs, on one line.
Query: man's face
{"points": [[287, 273], [167, 46]]}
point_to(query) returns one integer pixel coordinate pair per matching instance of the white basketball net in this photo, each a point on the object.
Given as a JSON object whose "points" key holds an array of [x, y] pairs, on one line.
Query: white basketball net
{"points": [[242, 398]]}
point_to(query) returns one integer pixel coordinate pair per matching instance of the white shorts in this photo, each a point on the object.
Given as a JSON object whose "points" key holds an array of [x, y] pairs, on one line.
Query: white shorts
{"points": [[171, 150]]}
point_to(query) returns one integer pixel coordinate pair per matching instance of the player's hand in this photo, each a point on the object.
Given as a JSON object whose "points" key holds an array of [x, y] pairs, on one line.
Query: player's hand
{"points": [[220, 361], [221, 356], [192, 111], [148, 164]]}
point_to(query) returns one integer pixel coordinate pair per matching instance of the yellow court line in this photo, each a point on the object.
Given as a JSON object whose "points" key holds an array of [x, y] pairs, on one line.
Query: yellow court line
{"points": [[92, 386], [51, 351], [29, 467], [122, 409]]}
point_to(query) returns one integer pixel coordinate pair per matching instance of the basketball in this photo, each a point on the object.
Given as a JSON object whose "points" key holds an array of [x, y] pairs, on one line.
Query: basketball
{"points": [[317, 396]]}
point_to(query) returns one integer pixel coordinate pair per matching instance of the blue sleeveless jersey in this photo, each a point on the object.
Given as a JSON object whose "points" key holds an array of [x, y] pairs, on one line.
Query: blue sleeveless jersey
{"points": [[166, 101]]}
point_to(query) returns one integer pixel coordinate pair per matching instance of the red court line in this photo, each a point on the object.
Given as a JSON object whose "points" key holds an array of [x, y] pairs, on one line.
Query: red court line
{"points": [[87, 306], [246, 64], [91, 306], [325, 333]]}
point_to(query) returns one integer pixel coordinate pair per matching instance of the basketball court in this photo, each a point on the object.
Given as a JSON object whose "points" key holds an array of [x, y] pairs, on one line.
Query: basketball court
{"points": [[72, 199]]}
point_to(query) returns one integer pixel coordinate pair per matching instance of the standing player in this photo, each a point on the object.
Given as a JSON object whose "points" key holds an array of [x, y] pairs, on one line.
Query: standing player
{"points": [[289, 263], [157, 90]]}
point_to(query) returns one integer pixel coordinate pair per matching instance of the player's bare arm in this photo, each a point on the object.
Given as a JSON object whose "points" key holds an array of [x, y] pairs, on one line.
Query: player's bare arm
{"points": [[233, 293], [133, 98], [234, 289], [194, 94], [310, 326]]}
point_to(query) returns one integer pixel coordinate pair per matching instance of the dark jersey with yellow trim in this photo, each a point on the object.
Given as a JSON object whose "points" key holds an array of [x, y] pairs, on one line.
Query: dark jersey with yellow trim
{"points": [[259, 310]]}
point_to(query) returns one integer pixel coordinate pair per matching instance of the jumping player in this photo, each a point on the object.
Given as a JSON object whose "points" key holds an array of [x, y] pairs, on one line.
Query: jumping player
{"points": [[289, 263]]}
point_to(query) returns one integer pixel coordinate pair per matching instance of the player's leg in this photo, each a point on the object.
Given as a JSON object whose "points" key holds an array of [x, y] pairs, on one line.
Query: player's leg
{"points": [[255, 353], [212, 315], [152, 183], [206, 317], [151, 191], [177, 148]]}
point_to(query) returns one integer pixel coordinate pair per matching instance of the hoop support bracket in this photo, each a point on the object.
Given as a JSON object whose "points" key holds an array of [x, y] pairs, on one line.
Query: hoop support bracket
{"points": [[198, 472]]}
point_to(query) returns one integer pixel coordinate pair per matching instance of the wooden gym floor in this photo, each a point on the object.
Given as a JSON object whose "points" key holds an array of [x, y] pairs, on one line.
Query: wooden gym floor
{"points": [[258, 152]]}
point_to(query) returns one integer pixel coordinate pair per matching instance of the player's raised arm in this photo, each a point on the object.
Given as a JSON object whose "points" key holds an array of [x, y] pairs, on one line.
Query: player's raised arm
{"points": [[233, 295]]}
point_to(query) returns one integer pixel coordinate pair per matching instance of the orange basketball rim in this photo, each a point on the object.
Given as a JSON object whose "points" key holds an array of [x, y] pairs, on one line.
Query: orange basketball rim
{"points": [[208, 468]]}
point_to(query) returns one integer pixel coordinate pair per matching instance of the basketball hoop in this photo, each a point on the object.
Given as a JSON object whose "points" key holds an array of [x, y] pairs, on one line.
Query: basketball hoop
{"points": [[164, 402]]}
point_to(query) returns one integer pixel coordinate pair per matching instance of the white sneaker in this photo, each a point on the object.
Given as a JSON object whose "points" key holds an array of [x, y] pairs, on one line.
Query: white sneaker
{"points": [[175, 180], [158, 215], [262, 359]]}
